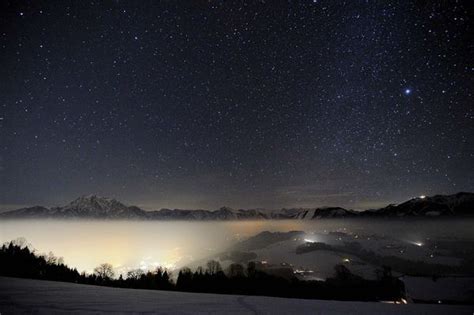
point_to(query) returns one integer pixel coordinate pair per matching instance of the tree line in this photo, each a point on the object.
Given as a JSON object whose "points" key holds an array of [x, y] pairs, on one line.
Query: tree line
{"points": [[19, 261]]}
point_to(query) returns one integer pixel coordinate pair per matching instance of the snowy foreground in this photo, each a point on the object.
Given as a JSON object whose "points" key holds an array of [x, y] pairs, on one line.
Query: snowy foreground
{"points": [[48, 297]]}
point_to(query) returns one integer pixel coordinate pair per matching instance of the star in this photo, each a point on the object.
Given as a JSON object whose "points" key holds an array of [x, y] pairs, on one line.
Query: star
{"points": [[208, 91]]}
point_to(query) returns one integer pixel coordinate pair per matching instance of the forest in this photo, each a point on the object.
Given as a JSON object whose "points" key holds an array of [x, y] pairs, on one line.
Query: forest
{"points": [[19, 261]]}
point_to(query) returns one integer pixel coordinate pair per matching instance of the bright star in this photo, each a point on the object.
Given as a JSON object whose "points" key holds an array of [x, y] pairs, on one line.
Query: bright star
{"points": [[407, 91]]}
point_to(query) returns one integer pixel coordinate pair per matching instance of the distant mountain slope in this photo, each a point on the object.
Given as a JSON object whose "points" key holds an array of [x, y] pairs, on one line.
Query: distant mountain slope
{"points": [[94, 207], [83, 207], [329, 212], [265, 239], [30, 212], [460, 204]]}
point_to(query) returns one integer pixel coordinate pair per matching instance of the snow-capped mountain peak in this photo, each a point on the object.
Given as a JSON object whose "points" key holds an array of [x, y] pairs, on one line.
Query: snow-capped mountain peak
{"points": [[94, 205]]}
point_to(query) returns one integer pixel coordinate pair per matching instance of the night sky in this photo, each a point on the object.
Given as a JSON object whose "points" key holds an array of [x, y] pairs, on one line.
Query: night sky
{"points": [[196, 104]]}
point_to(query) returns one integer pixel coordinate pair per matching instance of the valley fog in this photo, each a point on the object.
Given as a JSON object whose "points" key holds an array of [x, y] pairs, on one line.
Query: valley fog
{"points": [[174, 244]]}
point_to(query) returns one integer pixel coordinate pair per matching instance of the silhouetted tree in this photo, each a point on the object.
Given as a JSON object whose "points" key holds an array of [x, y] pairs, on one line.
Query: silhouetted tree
{"points": [[51, 259], [185, 279], [165, 278], [104, 271], [200, 270], [251, 269], [213, 267], [134, 274], [235, 270]]}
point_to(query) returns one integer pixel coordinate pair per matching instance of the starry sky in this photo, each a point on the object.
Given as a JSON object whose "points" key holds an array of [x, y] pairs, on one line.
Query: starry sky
{"points": [[200, 104]]}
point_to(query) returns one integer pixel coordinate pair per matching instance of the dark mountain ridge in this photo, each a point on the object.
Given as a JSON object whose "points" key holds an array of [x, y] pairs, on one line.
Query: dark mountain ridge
{"points": [[460, 204]]}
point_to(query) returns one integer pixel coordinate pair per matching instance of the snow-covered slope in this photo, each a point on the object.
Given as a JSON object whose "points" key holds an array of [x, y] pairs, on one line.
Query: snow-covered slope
{"points": [[18, 296]]}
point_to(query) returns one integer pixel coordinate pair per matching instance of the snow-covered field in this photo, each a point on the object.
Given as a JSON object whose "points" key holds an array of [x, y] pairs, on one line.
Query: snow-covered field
{"points": [[47, 297]]}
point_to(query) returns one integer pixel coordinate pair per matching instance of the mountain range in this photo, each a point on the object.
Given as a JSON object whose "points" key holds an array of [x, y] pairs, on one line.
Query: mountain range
{"points": [[94, 207]]}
